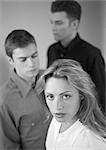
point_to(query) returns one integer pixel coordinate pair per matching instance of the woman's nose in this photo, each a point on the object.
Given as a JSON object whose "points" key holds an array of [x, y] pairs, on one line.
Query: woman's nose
{"points": [[59, 104]]}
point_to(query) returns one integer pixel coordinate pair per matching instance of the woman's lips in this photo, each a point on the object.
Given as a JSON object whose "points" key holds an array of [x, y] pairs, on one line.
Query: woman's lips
{"points": [[60, 115]]}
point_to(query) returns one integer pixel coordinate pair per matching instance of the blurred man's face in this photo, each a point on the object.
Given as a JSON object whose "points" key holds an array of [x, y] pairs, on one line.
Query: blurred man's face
{"points": [[61, 26]]}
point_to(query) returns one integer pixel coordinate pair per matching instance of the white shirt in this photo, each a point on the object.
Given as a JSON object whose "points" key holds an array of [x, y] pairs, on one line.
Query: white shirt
{"points": [[77, 137]]}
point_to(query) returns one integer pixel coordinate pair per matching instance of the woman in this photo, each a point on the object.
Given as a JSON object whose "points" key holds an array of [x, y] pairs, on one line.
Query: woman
{"points": [[70, 94]]}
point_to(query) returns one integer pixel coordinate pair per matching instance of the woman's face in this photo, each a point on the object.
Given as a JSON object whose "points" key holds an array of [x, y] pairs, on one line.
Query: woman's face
{"points": [[62, 99]]}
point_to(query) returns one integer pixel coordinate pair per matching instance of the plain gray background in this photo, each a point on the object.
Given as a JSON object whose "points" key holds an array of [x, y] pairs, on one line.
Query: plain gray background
{"points": [[33, 15]]}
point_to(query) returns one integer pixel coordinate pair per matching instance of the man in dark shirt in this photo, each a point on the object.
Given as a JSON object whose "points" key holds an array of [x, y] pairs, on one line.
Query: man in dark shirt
{"points": [[65, 19], [24, 117]]}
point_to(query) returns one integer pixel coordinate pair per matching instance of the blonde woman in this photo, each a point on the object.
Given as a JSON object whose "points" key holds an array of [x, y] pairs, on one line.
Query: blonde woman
{"points": [[78, 123]]}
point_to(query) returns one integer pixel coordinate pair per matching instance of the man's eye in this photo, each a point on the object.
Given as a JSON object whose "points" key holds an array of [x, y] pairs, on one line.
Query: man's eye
{"points": [[34, 56], [50, 97], [59, 23], [23, 60]]}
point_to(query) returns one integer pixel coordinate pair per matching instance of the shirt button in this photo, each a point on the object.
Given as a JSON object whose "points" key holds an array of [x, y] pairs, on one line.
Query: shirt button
{"points": [[47, 116], [32, 124], [61, 55]]}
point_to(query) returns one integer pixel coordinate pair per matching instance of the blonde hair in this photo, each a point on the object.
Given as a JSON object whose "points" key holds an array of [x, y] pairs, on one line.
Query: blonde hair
{"points": [[89, 112]]}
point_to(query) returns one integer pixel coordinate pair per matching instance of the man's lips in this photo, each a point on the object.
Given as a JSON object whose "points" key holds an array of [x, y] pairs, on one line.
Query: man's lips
{"points": [[32, 70], [55, 33]]}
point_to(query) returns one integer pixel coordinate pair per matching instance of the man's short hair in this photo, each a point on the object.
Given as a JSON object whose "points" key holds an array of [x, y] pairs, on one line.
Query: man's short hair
{"points": [[18, 39], [71, 7]]}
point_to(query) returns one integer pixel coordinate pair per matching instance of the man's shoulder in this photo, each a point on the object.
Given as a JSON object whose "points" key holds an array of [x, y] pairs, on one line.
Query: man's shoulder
{"points": [[54, 45], [3, 92], [4, 87], [88, 45], [6, 91], [89, 48]]}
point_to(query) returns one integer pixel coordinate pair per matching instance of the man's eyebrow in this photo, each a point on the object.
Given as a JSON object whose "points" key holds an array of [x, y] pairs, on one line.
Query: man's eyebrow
{"points": [[56, 20], [22, 57], [35, 53], [28, 56]]}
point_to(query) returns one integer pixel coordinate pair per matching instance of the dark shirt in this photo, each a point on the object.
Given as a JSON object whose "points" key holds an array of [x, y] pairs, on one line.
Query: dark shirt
{"points": [[89, 57], [24, 118]]}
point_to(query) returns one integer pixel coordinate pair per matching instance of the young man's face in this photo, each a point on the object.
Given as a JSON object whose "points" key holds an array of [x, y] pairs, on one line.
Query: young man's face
{"points": [[26, 62], [62, 27]]}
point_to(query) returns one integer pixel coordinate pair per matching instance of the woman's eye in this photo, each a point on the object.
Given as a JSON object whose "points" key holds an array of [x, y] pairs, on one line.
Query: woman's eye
{"points": [[66, 97], [50, 97]]}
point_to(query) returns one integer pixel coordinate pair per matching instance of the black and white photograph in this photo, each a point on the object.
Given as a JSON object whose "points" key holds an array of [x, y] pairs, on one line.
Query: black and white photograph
{"points": [[52, 74]]}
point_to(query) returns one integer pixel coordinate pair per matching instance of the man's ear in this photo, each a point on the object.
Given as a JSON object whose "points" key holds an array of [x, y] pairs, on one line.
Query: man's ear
{"points": [[10, 60], [75, 24]]}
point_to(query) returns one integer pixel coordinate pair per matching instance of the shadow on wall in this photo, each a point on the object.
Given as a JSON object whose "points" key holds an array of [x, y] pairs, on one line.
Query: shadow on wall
{"points": [[4, 70]]}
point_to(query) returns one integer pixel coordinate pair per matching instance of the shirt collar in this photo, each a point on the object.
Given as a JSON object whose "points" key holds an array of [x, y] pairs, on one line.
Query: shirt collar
{"points": [[23, 86], [72, 43], [77, 126]]}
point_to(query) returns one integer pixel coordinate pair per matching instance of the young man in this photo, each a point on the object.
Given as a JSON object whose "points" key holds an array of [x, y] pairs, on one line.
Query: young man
{"points": [[24, 118], [65, 19]]}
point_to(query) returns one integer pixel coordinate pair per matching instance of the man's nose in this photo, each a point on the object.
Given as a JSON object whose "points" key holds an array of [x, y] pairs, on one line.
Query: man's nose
{"points": [[54, 28], [30, 61]]}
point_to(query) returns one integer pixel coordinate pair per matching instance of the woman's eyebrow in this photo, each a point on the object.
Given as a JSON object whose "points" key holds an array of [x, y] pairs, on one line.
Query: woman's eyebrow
{"points": [[66, 92]]}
